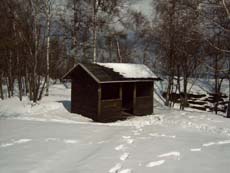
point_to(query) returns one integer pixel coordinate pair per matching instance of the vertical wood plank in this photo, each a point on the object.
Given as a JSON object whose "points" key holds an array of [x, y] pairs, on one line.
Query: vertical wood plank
{"points": [[72, 94], [134, 96], [99, 103], [153, 96], [120, 91]]}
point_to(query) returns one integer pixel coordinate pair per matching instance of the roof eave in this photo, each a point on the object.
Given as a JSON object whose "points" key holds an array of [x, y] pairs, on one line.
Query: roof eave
{"points": [[89, 72], [128, 81], [68, 74]]}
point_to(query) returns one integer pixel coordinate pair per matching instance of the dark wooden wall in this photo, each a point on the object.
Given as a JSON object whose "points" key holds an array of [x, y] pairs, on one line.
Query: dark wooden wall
{"points": [[84, 94], [111, 110], [143, 103], [111, 103]]}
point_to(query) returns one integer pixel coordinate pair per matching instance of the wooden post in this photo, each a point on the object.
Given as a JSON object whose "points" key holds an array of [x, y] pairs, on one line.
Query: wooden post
{"points": [[134, 97], [120, 91], [72, 92], [99, 103], [153, 97]]}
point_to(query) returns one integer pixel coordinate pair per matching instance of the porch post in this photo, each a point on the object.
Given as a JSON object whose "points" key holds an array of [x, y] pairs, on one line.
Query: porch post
{"points": [[153, 97], [134, 97], [99, 103], [120, 91]]}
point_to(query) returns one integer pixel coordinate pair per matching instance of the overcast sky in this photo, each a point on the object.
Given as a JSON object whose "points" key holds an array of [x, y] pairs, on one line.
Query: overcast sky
{"points": [[143, 5], [140, 5]]}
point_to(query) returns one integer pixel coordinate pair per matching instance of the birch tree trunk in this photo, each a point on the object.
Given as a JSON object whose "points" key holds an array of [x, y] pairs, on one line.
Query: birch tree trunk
{"points": [[228, 109], [74, 34], [1, 84], [119, 51], [10, 76], [35, 77], [95, 31]]}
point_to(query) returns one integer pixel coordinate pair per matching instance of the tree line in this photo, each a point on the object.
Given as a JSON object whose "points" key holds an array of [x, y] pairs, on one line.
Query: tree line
{"points": [[41, 39]]}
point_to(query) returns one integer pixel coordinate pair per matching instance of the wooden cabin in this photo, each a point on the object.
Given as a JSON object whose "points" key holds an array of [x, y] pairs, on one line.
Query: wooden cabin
{"points": [[108, 92]]}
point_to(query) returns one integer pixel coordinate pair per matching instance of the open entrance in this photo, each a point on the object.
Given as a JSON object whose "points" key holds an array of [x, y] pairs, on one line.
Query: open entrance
{"points": [[127, 97]]}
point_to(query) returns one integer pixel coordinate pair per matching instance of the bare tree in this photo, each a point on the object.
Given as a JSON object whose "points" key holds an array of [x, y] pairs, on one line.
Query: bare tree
{"points": [[179, 44]]}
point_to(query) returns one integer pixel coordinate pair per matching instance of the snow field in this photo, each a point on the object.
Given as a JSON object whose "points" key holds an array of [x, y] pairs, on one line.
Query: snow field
{"points": [[51, 139]]}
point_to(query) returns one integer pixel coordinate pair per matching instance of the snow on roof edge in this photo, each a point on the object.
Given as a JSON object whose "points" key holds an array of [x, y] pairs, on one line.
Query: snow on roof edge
{"points": [[129, 70]]}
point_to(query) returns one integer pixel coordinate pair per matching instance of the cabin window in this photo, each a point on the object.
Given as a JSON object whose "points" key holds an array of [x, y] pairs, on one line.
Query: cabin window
{"points": [[110, 91], [144, 89]]}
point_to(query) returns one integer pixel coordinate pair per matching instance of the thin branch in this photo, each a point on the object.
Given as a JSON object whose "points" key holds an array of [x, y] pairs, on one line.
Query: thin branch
{"points": [[226, 8], [217, 48]]}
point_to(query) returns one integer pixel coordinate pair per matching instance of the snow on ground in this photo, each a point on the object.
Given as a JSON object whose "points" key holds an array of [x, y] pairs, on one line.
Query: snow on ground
{"points": [[60, 147], [48, 138]]}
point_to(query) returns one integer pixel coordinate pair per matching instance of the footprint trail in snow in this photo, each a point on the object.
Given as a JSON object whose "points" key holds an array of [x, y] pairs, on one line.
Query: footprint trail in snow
{"points": [[126, 171], [156, 163], [116, 168], [124, 156]]}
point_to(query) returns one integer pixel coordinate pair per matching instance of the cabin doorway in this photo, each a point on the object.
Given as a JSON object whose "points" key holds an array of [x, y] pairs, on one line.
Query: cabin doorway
{"points": [[127, 97]]}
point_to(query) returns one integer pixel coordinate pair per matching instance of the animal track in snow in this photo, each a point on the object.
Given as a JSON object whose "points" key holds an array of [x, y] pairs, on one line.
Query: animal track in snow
{"points": [[119, 147], [101, 142], [129, 141], [208, 144], [136, 132], [70, 141], [157, 163], [116, 168], [51, 139], [216, 143], [67, 141], [223, 142], [20, 141], [124, 156], [6, 145], [171, 154], [126, 171], [195, 149], [161, 135]]}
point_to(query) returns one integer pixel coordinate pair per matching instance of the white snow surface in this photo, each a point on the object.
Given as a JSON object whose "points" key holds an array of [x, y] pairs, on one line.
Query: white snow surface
{"points": [[46, 138], [128, 70]]}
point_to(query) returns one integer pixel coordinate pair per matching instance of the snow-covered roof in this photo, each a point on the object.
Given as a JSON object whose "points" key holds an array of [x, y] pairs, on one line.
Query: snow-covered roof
{"points": [[113, 72], [128, 70]]}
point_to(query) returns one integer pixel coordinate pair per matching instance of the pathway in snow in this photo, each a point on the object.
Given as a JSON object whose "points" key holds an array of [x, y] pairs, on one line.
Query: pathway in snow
{"points": [[125, 155]]}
